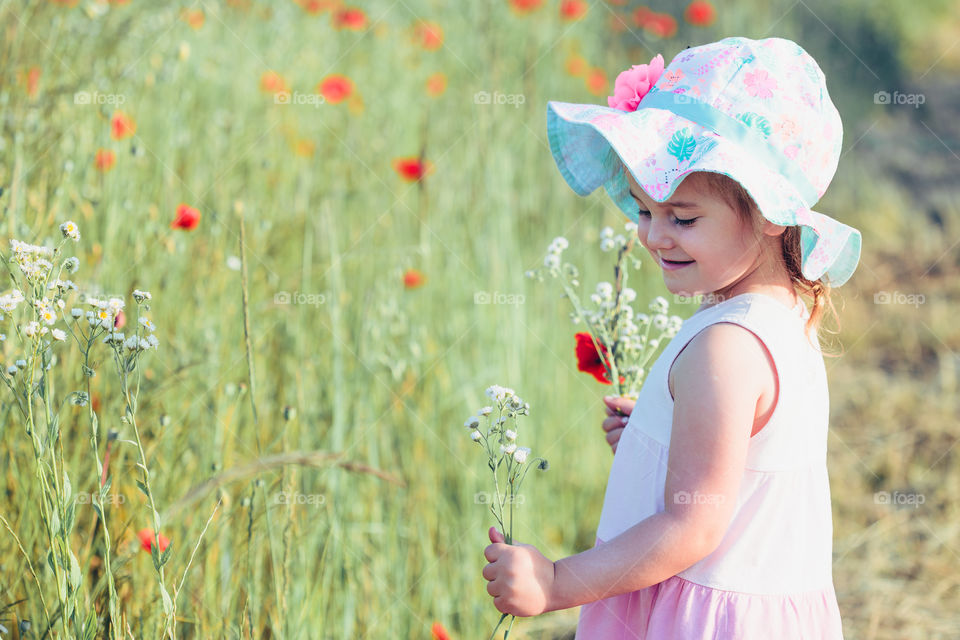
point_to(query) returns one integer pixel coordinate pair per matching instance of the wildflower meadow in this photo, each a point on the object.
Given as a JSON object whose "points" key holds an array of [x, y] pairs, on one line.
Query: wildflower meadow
{"points": [[274, 269]]}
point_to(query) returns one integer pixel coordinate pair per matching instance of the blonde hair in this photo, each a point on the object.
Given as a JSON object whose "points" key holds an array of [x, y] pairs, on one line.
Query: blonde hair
{"points": [[738, 198]]}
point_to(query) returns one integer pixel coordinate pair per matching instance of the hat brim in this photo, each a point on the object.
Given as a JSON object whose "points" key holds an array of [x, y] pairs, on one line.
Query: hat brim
{"points": [[660, 148]]}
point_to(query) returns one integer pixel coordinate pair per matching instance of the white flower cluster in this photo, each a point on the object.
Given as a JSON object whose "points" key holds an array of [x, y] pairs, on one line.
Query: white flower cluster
{"points": [[9, 301], [552, 260], [70, 230], [509, 405], [32, 260]]}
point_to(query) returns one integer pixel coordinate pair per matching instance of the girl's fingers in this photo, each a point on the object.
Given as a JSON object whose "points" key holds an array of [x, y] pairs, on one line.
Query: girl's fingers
{"points": [[614, 422], [613, 437]]}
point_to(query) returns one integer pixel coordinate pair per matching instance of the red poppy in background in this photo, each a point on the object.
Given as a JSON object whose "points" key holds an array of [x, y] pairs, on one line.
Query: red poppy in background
{"points": [[33, 81], [700, 13], [576, 65], [525, 6], [437, 84], [315, 7], [146, 540], [588, 360], [413, 279], [187, 218], [412, 169], [194, 17], [429, 35], [571, 10], [438, 632], [596, 81], [273, 82], [659, 24], [104, 160], [122, 126], [349, 18], [335, 88], [120, 320]]}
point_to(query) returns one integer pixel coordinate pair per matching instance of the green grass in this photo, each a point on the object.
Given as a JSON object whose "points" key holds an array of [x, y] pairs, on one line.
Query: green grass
{"points": [[385, 375]]}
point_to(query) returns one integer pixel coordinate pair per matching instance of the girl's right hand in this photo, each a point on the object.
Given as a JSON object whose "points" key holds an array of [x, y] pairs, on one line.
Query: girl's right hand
{"points": [[618, 413]]}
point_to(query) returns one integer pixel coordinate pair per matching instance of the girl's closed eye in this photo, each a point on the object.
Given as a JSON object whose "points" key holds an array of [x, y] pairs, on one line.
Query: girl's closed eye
{"points": [[680, 222]]}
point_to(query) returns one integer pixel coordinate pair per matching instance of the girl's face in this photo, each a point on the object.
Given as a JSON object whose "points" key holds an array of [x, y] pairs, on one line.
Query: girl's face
{"points": [[699, 241]]}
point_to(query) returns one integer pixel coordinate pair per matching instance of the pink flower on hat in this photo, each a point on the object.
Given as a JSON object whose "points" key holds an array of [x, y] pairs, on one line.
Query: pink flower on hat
{"points": [[634, 83]]}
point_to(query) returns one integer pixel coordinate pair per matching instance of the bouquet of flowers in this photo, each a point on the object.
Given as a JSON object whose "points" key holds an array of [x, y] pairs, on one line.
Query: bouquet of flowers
{"points": [[508, 461], [619, 342]]}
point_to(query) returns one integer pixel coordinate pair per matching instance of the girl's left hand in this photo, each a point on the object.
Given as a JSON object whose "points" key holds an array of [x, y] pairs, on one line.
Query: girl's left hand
{"points": [[520, 577]]}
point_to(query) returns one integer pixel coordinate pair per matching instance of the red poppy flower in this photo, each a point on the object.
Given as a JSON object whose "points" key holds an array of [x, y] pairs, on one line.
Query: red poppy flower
{"points": [[700, 13], [187, 218], [413, 279], [661, 24], [596, 80], [412, 169], [571, 10], [525, 6], [315, 7], [429, 35], [146, 540], [436, 84], [120, 320], [273, 82], [335, 88], [438, 632], [122, 126], [588, 360], [104, 160], [349, 18], [576, 65], [194, 17], [33, 81]]}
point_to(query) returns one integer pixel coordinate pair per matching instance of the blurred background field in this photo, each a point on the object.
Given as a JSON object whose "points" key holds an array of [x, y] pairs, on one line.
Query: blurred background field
{"points": [[388, 228]]}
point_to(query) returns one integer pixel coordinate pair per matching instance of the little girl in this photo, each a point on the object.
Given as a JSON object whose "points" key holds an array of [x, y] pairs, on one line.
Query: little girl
{"points": [[716, 522]]}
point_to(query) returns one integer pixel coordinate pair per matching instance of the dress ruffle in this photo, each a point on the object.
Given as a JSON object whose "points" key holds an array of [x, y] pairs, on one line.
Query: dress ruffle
{"points": [[677, 609]]}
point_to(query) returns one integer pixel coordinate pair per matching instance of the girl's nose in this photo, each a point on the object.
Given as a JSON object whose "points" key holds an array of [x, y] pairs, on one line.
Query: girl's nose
{"points": [[658, 234]]}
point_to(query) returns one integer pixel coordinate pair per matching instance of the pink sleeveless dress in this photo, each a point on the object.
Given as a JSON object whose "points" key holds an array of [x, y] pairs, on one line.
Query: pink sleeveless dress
{"points": [[771, 576]]}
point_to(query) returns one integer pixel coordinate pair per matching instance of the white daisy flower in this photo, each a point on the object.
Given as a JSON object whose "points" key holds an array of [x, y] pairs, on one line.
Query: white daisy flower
{"points": [[510, 435], [485, 411], [12, 370], [22, 364], [660, 322], [76, 313], [606, 232], [551, 260], [146, 323], [70, 230], [59, 334], [520, 455], [474, 435], [31, 329], [659, 305], [471, 423], [140, 296]]}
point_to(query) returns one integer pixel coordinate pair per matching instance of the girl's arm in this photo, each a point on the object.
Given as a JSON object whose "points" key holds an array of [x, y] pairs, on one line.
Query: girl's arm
{"points": [[720, 378]]}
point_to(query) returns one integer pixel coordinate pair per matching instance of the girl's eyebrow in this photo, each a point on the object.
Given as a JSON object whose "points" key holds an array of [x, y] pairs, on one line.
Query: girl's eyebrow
{"points": [[676, 204]]}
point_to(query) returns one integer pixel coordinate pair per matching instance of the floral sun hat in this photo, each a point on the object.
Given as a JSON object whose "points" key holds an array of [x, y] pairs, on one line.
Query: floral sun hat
{"points": [[757, 111]]}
